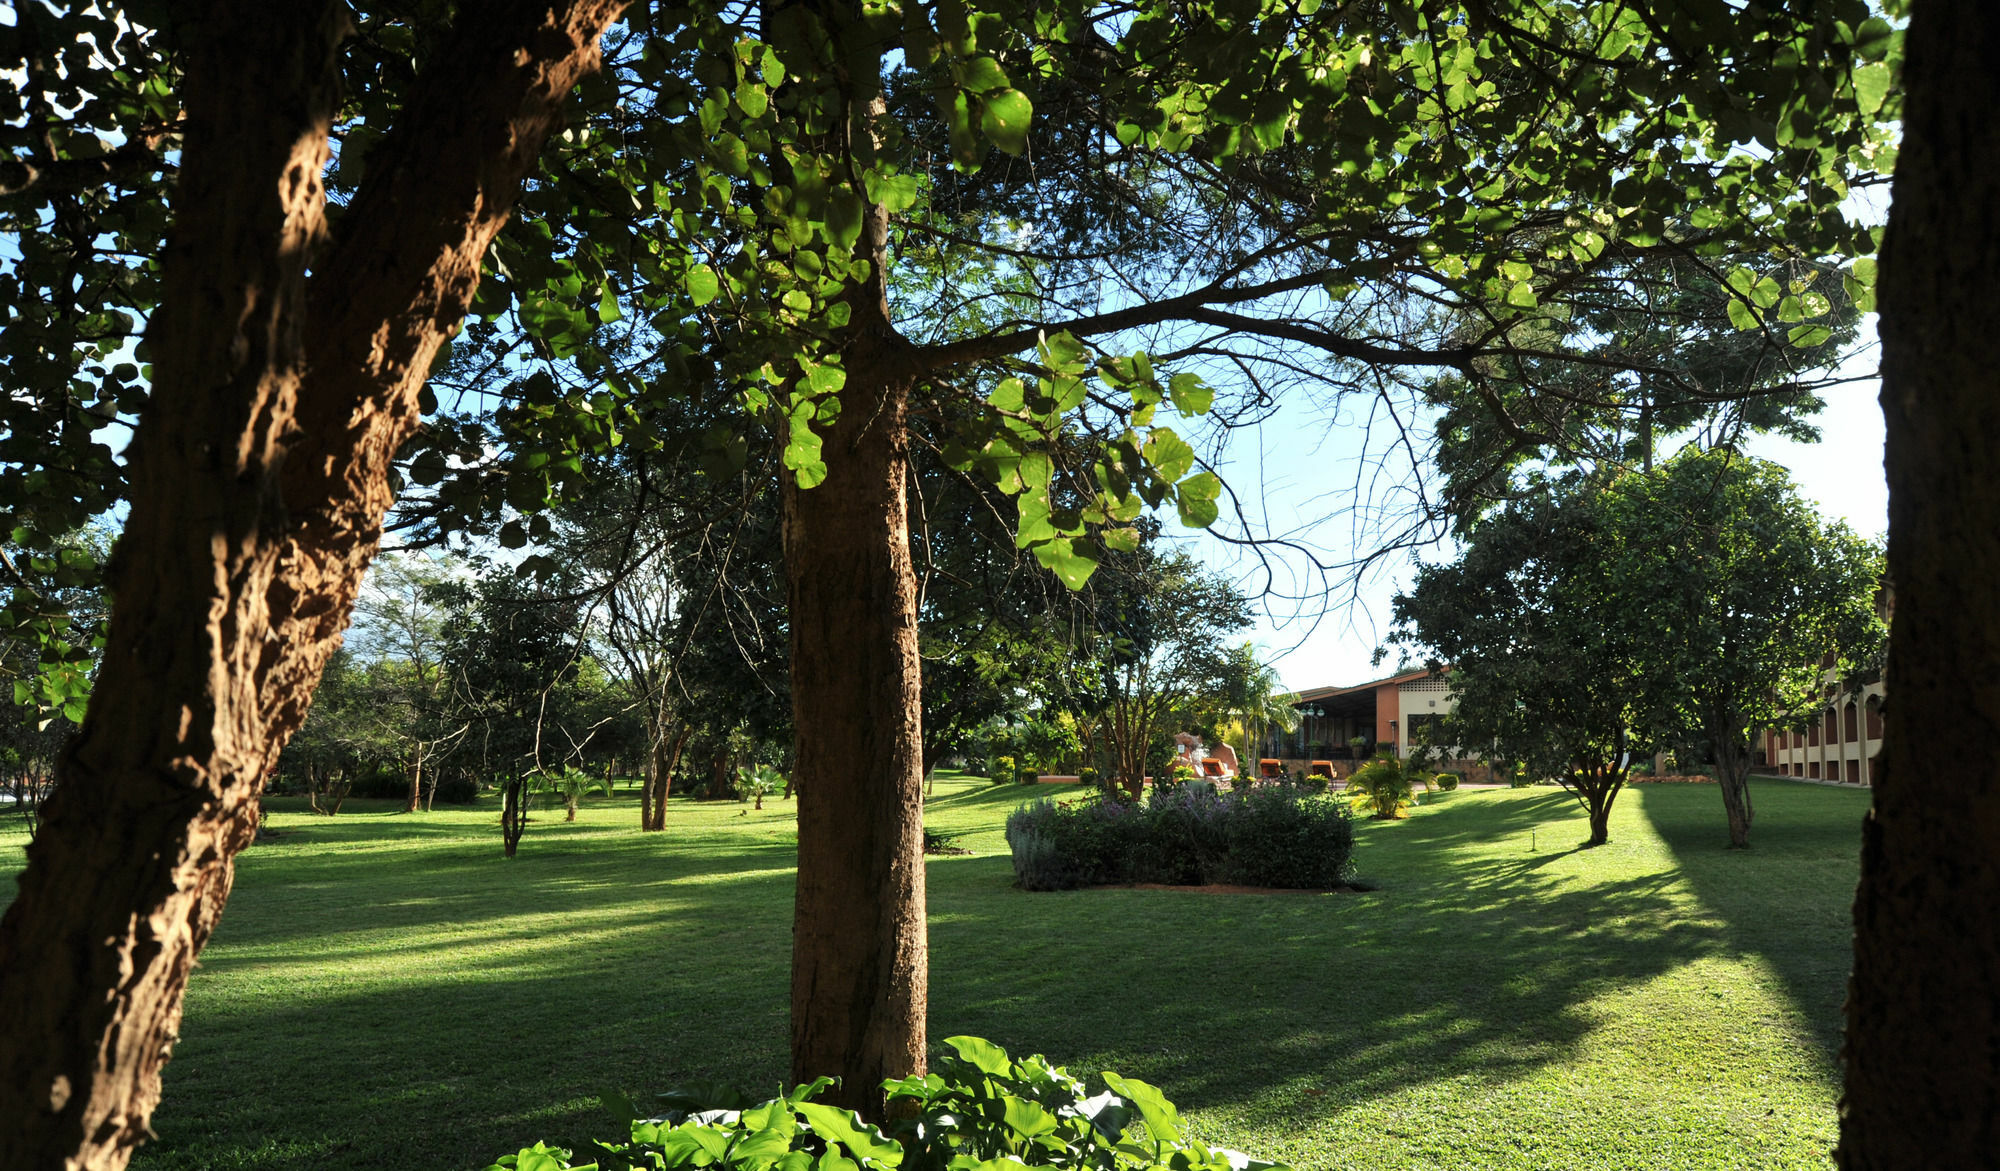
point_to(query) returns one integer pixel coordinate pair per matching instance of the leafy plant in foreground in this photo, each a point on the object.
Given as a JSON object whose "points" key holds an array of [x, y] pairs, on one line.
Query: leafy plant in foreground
{"points": [[977, 1108]]}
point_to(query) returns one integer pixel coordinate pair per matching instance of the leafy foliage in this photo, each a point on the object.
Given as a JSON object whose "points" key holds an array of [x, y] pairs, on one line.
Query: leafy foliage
{"points": [[979, 1107], [1267, 835], [1384, 787]]}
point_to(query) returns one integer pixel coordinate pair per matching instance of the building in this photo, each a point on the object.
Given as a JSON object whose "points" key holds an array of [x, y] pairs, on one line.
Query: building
{"points": [[1387, 711], [1839, 745]]}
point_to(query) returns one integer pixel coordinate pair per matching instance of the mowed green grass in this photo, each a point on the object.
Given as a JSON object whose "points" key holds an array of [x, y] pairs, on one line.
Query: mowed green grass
{"points": [[386, 991]]}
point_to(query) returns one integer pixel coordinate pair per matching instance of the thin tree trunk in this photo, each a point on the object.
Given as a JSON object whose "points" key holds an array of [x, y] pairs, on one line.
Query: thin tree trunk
{"points": [[416, 783], [1922, 1050], [859, 956], [513, 816], [259, 480]]}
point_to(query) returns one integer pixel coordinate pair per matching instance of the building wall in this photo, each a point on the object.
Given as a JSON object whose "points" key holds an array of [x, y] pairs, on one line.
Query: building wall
{"points": [[1846, 755], [1418, 697]]}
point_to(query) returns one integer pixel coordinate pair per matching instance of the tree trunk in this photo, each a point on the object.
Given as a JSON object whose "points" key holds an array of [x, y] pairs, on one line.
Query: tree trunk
{"points": [[259, 480], [1923, 1024], [1732, 775], [416, 783], [859, 955], [513, 816]]}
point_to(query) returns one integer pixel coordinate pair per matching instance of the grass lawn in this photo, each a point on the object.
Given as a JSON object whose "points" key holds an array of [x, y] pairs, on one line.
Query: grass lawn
{"points": [[387, 992]]}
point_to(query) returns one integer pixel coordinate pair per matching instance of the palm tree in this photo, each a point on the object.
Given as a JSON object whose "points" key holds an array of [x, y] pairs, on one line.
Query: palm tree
{"points": [[1259, 702]]}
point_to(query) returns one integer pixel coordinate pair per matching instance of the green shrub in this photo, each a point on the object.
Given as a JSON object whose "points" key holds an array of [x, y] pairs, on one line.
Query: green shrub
{"points": [[1003, 770], [1087, 777], [381, 784], [1271, 835], [1283, 837], [1027, 774], [1448, 781], [977, 1107], [457, 789], [1383, 787]]}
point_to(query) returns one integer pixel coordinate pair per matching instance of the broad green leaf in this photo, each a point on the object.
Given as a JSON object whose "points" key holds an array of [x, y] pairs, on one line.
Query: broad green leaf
{"points": [[753, 99], [1521, 295], [702, 284], [607, 306], [847, 1128], [1162, 1122], [1027, 1118], [1871, 86], [762, 1145], [1808, 335], [1009, 395], [1196, 512], [1061, 558], [979, 74], [1123, 540], [1169, 454], [826, 378], [981, 1054], [1191, 395], [1004, 115], [1740, 315]]}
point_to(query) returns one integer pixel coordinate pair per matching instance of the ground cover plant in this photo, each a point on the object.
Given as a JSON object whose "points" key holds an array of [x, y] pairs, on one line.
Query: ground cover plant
{"points": [[388, 992]]}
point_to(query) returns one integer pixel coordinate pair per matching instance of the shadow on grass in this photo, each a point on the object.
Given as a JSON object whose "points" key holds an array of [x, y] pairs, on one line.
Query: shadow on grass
{"points": [[1463, 964], [1789, 898]]}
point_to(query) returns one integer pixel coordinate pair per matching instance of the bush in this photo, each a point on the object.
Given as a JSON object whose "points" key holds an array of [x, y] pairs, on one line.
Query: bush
{"points": [[382, 784], [457, 789], [977, 1107], [1028, 775], [1270, 835], [1279, 836], [1448, 781], [1383, 787], [1003, 770], [1087, 777]]}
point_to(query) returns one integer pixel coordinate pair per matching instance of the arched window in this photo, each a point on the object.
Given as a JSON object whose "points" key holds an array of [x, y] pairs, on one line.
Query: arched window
{"points": [[1852, 717], [1874, 717]]}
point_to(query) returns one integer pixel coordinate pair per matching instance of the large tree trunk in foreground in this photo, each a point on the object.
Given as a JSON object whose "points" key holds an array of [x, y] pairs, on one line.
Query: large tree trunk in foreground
{"points": [[859, 964], [259, 480], [1923, 1018]]}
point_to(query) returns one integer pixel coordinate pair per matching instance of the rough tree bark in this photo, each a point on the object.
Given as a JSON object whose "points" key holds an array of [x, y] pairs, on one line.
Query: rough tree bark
{"points": [[1732, 775], [259, 482], [1923, 1023], [859, 952]]}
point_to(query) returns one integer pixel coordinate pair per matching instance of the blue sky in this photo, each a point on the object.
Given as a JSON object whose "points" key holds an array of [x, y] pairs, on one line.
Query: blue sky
{"points": [[1303, 473]]}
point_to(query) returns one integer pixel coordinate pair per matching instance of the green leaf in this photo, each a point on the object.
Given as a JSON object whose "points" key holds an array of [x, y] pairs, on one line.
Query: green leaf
{"points": [[1004, 116], [979, 74], [1027, 1118], [843, 219], [1162, 1122], [1871, 86], [1196, 513], [1061, 558], [753, 99], [1168, 453], [1522, 295], [826, 379], [607, 306], [1807, 336], [1191, 395], [702, 284], [1740, 315], [1123, 540], [981, 1054], [1010, 395], [846, 1128]]}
